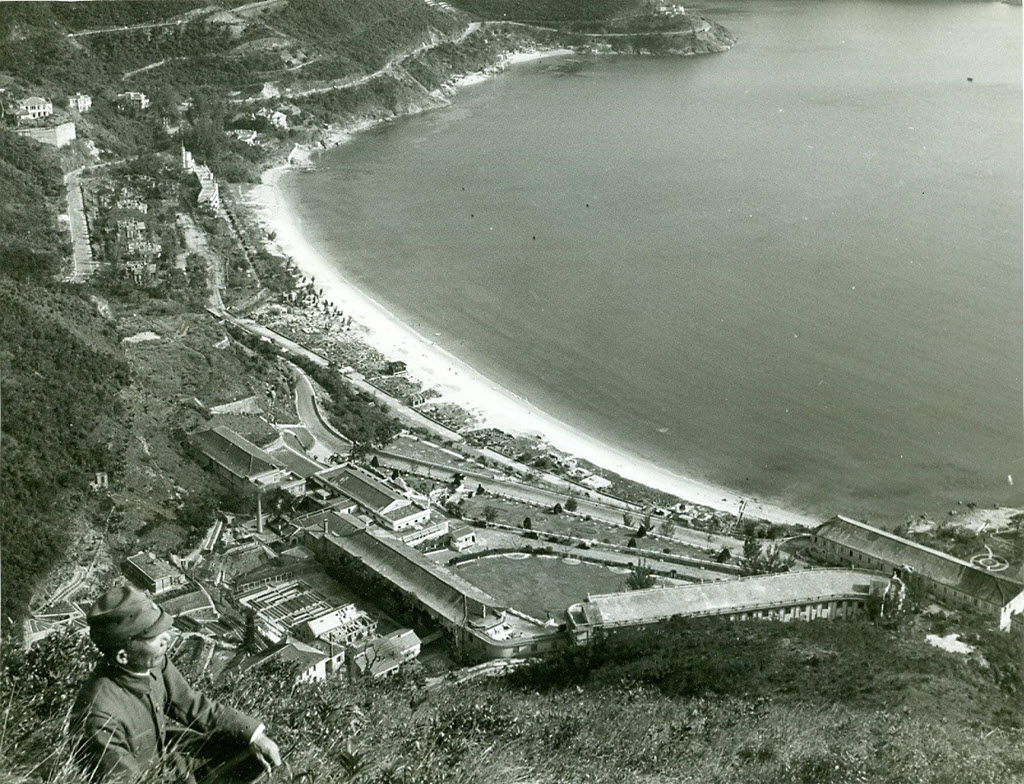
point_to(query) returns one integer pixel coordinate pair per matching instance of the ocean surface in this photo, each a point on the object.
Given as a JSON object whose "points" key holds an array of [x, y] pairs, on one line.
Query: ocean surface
{"points": [[793, 269]]}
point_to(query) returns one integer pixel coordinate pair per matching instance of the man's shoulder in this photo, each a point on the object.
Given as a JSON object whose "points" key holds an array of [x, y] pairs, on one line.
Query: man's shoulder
{"points": [[96, 685]]}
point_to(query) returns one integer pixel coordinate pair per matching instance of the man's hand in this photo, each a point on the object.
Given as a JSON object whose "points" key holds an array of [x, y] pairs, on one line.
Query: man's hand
{"points": [[266, 751]]}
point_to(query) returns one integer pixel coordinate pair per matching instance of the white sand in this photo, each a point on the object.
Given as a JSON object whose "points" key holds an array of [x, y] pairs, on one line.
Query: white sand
{"points": [[513, 59], [459, 383]]}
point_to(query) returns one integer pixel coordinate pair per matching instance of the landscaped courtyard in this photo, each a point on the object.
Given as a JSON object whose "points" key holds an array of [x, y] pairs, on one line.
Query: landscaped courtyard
{"points": [[538, 585]]}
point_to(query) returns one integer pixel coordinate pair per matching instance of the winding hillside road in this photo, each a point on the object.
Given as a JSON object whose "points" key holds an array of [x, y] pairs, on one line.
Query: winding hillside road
{"points": [[315, 422]]}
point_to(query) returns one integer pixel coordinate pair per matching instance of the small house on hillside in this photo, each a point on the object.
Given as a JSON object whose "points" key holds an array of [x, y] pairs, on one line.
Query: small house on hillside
{"points": [[312, 664], [34, 108], [80, 102], [133, 100], [385, 655]]}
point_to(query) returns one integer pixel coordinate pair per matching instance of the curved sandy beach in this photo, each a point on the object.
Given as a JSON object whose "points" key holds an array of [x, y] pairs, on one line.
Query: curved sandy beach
{"points": [[459, 383]]}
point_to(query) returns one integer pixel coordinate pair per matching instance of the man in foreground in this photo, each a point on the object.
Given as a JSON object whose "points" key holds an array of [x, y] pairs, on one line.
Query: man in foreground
{"points": [[121, 712]]}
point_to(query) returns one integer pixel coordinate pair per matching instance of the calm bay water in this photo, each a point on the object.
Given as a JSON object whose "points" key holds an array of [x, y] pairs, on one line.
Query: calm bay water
{"points": [[793, 269]]}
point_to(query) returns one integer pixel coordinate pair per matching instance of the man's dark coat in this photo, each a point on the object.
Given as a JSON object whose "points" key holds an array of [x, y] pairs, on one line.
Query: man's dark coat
{"points": [[121, 718]]}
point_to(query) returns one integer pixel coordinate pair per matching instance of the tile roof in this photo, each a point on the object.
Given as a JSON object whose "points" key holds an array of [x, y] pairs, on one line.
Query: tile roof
{"points": [[402, 512], [305, 656], [235, 454], [362, 487], [727, 596], [186, 603], [941, 567], [298, 464], [401, 565]]}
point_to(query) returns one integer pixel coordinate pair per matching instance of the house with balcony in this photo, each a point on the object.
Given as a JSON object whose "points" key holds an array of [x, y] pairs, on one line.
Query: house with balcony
{"points": [[34, 108]]}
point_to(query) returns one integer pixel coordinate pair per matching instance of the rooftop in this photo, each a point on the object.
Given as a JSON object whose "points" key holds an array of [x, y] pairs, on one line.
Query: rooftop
{"points": [[235, 454], [401, 565], [298, 464], [154, 568], [744, 594], [362, 487], [941, 567]]}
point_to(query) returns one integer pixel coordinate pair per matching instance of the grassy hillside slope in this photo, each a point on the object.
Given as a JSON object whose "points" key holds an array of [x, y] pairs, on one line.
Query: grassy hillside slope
{"points": [[696, 701]]}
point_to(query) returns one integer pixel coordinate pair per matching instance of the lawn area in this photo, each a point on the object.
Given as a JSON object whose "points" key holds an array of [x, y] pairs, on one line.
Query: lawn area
{"points": [[509, 512], [424, 450], [536, 584]]}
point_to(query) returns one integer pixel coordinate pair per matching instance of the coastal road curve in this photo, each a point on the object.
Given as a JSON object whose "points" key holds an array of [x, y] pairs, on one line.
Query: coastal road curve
{"points": [[314, 421], [611, 508], [411, 416]]}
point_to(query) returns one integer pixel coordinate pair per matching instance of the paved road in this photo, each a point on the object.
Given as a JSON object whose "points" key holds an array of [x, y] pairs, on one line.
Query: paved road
{"points": [[389, 67], [178, 20], [497, 484], [598, 506], [357, 380], [314, 421], [497, 537], [197, 242], [82, 258]]}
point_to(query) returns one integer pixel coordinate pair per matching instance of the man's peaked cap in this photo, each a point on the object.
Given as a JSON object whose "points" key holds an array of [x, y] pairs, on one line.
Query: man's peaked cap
{"points": [[123, 613]]}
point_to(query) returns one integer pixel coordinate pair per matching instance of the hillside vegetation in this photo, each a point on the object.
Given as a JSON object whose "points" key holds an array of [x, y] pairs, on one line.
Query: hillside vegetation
{"points": [[694, 701], [548, 11]]}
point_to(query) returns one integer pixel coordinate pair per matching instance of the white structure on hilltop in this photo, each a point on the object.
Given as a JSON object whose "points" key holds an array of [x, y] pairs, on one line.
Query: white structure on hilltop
{"points": [[34, 108], [133, 100], [80, 103]]}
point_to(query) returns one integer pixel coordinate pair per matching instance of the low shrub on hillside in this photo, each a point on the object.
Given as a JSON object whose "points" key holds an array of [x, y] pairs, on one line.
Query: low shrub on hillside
{"points": [[607, 714]]}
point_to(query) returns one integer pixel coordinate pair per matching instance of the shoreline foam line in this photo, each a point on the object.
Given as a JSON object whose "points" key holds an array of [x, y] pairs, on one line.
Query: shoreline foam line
{"points": [[459, 383]]}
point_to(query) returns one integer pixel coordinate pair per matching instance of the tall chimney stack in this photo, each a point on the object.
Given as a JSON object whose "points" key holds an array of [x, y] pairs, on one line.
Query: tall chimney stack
{"points": [[259, 513]]}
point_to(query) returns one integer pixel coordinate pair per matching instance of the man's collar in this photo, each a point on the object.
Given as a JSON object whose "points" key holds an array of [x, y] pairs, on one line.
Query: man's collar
{"points": [[135, 682]]}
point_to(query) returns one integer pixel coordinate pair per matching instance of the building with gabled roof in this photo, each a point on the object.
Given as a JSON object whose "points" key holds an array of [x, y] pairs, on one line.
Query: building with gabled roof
{"points": [[313, 664], [243, 463], [948, 578], [340, 626], [475, 619], [374, 496], [801, 595], [297, 463], [34, 108], [384, 655], [461, 538]]}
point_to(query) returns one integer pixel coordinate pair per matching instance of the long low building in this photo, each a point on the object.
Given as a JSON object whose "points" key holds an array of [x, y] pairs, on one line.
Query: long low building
{"points": [[803, 595], [479, 624], [476, 620], [948, 578]]}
